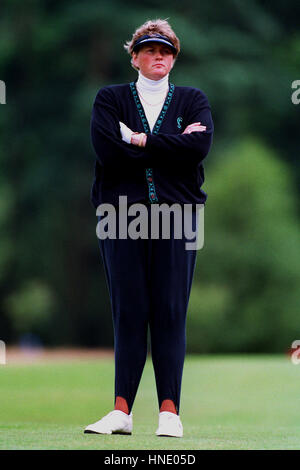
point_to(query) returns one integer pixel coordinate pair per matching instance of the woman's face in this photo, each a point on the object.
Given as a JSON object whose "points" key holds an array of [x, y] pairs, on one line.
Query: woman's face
{"points": [[154, 60]]}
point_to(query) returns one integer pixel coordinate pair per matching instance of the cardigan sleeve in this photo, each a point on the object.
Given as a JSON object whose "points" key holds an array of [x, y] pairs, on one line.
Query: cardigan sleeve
{"points": [[106, 137], [186, 148]]}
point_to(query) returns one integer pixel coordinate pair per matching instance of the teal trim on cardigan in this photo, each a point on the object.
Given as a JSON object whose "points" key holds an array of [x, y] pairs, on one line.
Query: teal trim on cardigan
{"points": [[149, 171]]}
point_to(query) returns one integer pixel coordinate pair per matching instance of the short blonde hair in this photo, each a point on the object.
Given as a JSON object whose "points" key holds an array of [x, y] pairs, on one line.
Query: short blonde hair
{"points": [[153, 27]]}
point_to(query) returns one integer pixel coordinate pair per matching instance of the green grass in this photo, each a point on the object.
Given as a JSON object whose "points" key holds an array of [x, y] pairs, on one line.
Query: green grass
{"points": [[228, 402]]}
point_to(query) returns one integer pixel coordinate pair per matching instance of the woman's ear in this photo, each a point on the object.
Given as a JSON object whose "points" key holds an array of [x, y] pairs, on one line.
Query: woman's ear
{"points": [[174, 60], [134, 59]]}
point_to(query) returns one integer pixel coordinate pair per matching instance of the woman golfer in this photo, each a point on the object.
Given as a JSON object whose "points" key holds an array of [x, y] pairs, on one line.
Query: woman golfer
{"points": [[150, 138]]}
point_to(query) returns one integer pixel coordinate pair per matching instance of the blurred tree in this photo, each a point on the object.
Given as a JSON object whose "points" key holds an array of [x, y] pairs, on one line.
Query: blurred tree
{"points": [[31, 308], [246, 291]]}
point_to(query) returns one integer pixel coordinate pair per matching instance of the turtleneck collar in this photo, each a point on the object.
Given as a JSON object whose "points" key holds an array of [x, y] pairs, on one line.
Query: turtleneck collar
{"points": [[152, 86]]}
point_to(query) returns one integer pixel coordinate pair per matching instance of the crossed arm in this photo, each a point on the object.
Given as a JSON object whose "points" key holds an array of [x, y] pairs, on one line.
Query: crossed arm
{"points": [[140, 138], [191, 146]]}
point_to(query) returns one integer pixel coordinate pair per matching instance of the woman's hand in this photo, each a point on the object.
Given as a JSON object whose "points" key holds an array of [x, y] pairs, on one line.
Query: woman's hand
{"points": [[194, 127], [134, 138], [139, 139]]}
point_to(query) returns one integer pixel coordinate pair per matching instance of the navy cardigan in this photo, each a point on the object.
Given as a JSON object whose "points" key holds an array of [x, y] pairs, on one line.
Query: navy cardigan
{"points": [[169, 168]]}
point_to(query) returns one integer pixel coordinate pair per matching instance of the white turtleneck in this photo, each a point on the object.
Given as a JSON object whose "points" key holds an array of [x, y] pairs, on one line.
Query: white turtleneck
{"points": [[150, 91], [152, 94]]}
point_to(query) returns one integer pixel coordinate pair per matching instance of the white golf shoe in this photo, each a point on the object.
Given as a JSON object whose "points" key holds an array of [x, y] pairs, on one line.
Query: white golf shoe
{"points": [[115, 422], [169, 424]]}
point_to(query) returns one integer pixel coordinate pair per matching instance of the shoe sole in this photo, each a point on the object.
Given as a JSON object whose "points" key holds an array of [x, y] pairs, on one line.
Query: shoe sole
{"points": [[107, 434], [123, 433]]}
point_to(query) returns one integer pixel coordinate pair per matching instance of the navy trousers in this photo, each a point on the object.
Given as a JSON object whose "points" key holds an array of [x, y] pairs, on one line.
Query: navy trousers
{"points": [[149, 282]]}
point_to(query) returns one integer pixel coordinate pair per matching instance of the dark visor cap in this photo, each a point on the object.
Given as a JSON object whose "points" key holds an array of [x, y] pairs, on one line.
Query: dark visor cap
{"points": [[154, 38]]}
